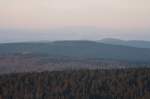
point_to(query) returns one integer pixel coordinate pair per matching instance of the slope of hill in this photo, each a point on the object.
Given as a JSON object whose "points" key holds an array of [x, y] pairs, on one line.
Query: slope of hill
{"points": [[131, 43], [78, 49]]}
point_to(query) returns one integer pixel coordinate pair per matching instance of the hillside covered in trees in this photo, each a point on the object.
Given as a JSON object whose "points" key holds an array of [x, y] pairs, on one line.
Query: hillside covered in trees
{"points": [[73, 70], [77, 84], [18, 63], [78, 49]]}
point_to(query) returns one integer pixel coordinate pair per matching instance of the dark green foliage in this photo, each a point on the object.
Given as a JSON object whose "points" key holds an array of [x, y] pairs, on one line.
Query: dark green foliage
{"points": [[83, 84]]}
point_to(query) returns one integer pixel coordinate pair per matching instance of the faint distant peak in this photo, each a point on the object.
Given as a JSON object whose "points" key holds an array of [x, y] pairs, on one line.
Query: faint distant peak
{"points": [[111, 39]]}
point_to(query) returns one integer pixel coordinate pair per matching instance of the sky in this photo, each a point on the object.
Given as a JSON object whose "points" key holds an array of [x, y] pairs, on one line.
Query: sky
{"points": [[29, 20]]}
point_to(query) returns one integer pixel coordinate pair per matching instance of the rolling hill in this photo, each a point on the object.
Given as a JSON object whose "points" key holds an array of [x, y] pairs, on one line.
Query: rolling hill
{"points": [[78, 49]]}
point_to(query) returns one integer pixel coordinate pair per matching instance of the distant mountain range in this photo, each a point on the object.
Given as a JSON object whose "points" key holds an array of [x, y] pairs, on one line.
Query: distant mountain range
{"points": [[131, 43], [103, 49]]}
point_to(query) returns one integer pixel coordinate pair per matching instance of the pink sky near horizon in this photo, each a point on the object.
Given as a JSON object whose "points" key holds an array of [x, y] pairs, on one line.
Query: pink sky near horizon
{"points": [[59, 13], [120, 15]]}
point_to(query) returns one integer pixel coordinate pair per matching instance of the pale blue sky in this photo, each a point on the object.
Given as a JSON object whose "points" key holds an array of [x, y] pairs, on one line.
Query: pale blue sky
{"points": [[74, 33]]}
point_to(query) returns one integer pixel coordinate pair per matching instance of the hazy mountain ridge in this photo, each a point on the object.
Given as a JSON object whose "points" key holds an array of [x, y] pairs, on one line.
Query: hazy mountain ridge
{"points": [[131, 43], [79, 49]]}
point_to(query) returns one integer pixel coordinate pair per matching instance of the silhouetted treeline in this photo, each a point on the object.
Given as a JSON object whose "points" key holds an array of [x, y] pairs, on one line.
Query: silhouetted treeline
{"points": [[83, 84]]}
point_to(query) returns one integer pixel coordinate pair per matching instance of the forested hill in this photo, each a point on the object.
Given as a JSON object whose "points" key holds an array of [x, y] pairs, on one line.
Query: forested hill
{"points": [[78, 49]]}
